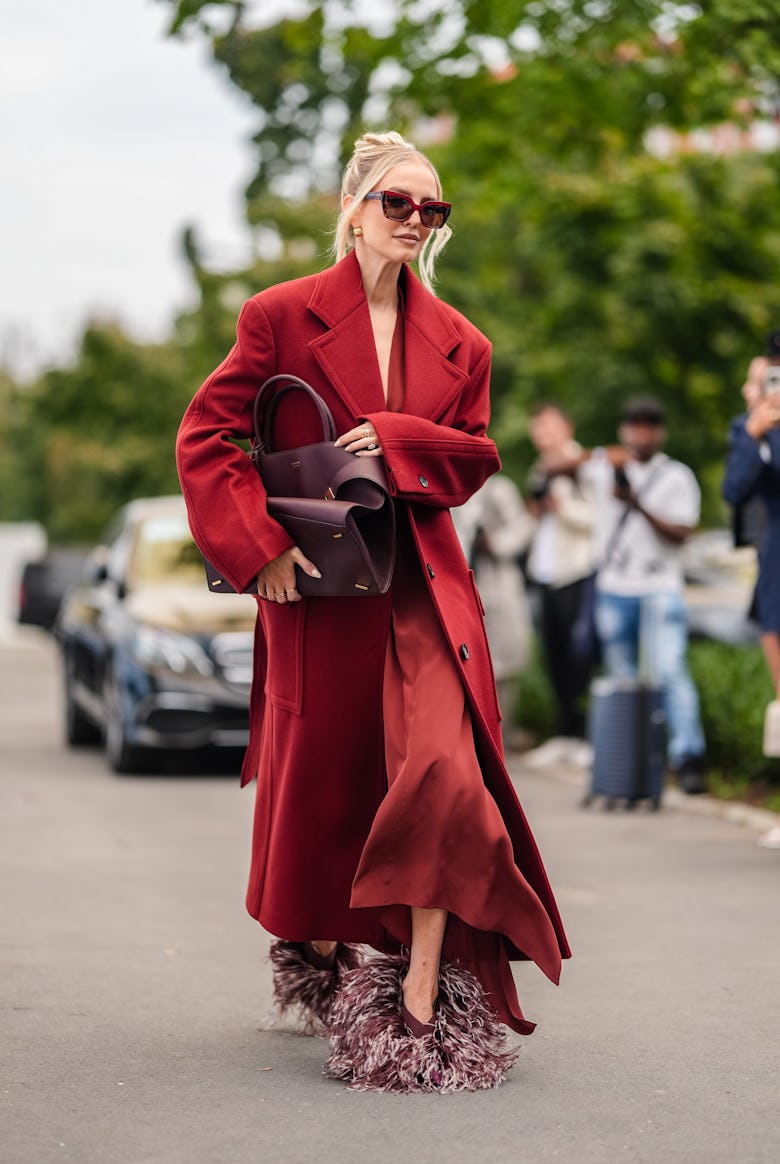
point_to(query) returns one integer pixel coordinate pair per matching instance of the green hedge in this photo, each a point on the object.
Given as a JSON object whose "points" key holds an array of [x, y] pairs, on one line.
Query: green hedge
{"points": [[535, 708], [734, 689]]}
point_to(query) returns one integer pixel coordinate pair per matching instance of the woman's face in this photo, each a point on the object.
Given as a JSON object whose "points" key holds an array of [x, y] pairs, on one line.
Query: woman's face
{"points": [[550, 430], [397, 242], [753, 387]]}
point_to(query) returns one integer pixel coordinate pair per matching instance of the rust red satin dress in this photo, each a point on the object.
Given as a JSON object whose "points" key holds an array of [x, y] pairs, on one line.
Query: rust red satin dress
{"points": [[438, 838]]}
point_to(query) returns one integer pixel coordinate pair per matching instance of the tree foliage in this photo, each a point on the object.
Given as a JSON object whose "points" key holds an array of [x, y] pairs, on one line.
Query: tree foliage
{"points": [[84, 439], [588, 77], [597, 267]]}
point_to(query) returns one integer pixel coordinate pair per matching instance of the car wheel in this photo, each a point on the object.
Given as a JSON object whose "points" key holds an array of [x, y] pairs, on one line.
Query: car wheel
{"points": [[78, 729], [121, 755]]}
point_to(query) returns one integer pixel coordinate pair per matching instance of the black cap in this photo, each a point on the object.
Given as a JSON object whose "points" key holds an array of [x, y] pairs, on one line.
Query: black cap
{"points": [[773, 344], [643, 410]]}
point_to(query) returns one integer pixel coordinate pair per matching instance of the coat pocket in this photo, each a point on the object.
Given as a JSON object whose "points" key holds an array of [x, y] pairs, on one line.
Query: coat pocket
{"points": [[285, 632]]}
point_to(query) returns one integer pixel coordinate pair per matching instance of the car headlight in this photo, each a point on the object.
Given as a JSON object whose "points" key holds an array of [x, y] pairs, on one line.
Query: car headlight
{"points": [[155, 649]]}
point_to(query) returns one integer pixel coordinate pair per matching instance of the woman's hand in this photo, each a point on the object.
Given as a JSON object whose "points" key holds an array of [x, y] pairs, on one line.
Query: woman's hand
{"points": [[764, 415], [276, 580], [361, 440]]}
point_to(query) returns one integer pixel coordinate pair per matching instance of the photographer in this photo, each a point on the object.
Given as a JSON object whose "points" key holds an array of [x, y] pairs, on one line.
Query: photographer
{"points": [[560, 560], [648, 507], [753, 471], [494, 528], [748, 517]]}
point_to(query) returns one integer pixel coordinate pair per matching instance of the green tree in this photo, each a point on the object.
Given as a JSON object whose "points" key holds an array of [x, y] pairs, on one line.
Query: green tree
{"points": [[85, 438], [89, 435], [597, 268]]}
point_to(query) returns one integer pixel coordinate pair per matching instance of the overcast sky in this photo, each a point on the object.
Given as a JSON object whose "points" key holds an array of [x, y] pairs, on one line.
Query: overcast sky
{"points": [[113, 137]]}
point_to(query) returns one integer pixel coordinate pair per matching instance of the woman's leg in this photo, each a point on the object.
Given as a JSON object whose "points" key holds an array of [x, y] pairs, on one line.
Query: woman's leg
{"points": [[664, 631], [324, 948], [421, 984], [770, 641], [617, 623], [555, 654], [574, 673]]}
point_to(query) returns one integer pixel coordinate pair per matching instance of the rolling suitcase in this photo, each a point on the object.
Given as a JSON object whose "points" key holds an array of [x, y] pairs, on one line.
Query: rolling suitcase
{"points": [[627, 731]]}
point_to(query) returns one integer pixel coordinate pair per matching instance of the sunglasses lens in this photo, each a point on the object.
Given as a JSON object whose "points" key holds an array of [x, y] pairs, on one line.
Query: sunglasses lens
{"points": [[434, 214], [397, 207]]}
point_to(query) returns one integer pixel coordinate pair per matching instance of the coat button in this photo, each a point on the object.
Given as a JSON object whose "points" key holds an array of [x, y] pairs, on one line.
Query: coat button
{"points": [[424, 482], [430, 569], [464, 651]]}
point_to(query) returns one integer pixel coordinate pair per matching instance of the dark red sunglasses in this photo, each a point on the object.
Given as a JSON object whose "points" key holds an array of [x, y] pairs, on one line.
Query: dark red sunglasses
{"points": [[399, 207]]}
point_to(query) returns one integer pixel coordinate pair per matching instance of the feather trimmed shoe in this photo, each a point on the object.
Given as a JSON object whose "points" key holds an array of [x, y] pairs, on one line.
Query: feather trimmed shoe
{"points": [[374, 1046], [306, 981], [417, 1029]]}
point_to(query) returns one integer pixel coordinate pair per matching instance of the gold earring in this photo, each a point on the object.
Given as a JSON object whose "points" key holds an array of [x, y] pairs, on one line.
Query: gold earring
{"points": [[357, 231]]}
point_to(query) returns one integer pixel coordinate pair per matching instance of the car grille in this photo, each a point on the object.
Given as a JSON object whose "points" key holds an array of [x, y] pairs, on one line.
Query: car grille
{"points": [[233, 658]]}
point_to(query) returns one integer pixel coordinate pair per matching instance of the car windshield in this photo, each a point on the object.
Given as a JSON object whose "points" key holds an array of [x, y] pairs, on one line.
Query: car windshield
{"points": [[164, 552]]}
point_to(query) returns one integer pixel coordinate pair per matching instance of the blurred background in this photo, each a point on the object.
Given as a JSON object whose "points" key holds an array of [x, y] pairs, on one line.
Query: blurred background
{"points": [[614, 172]]}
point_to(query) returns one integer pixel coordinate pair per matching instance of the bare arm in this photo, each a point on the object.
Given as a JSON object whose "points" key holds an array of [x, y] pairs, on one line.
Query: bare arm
{"points": [[671, 531], [677, 534]]}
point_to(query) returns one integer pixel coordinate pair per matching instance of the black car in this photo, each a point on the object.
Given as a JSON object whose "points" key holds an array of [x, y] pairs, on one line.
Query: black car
{"points": [[151, 659], [44, 584]]}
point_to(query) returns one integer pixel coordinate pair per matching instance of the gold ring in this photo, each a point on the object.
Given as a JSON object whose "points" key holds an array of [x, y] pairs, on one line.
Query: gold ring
{"points": [[366, 432]]}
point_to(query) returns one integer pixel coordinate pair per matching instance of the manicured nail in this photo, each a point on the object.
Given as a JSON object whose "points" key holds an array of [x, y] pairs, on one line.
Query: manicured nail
{"points": [[315, 572]]}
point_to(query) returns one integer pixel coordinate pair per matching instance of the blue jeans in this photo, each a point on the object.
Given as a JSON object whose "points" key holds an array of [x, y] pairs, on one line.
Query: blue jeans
{"points": [[649, 635]]}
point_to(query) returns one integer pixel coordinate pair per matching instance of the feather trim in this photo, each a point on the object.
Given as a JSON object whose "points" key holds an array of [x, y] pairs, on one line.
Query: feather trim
{"points": [[301, 988], [371, 1050]]}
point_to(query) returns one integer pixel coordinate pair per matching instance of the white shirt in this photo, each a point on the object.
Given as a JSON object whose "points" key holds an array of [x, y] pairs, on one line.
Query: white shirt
{"points": [[562, 548], [640, 561], [544, 555]]}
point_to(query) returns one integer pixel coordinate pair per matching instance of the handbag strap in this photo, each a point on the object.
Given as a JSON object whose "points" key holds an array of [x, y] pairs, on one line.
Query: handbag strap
{"points": [[264, 413], [627, 511]]}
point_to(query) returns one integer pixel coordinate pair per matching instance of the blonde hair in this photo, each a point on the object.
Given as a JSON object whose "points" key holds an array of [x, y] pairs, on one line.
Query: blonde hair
{"points": [[373, 156]]}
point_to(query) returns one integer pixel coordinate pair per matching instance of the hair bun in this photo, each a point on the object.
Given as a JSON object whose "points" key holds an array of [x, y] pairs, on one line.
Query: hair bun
{"points": [[371, 141]]}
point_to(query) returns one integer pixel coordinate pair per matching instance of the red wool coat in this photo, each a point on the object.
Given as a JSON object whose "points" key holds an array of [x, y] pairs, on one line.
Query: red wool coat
{"points": [[316, 740]]}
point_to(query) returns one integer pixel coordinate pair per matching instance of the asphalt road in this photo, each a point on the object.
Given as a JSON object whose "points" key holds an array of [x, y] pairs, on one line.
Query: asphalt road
{"points": [[135, 992]]}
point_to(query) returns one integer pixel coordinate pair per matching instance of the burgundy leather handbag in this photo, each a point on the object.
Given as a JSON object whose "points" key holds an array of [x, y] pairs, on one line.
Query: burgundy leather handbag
{"points": [[336, 506]]}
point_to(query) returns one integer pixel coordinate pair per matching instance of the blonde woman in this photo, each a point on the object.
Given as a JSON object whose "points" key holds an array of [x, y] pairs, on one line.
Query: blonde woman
{"points": [[384, 814]]}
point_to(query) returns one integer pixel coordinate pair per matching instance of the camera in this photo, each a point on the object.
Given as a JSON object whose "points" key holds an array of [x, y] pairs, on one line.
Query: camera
{"points": [[539, 488], [621, 478], [772, 380]]}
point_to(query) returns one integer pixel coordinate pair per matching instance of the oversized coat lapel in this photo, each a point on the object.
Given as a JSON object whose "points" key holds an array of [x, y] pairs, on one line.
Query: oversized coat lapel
{"points": [[347, 353]]}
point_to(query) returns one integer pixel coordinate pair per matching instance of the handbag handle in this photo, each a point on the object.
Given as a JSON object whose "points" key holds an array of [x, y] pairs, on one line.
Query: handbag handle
{"points": [[263, 422]]}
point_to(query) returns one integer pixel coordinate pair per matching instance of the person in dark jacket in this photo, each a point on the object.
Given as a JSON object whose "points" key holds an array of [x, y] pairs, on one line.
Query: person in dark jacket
{"points": [[753, 470], [748, 518]]}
